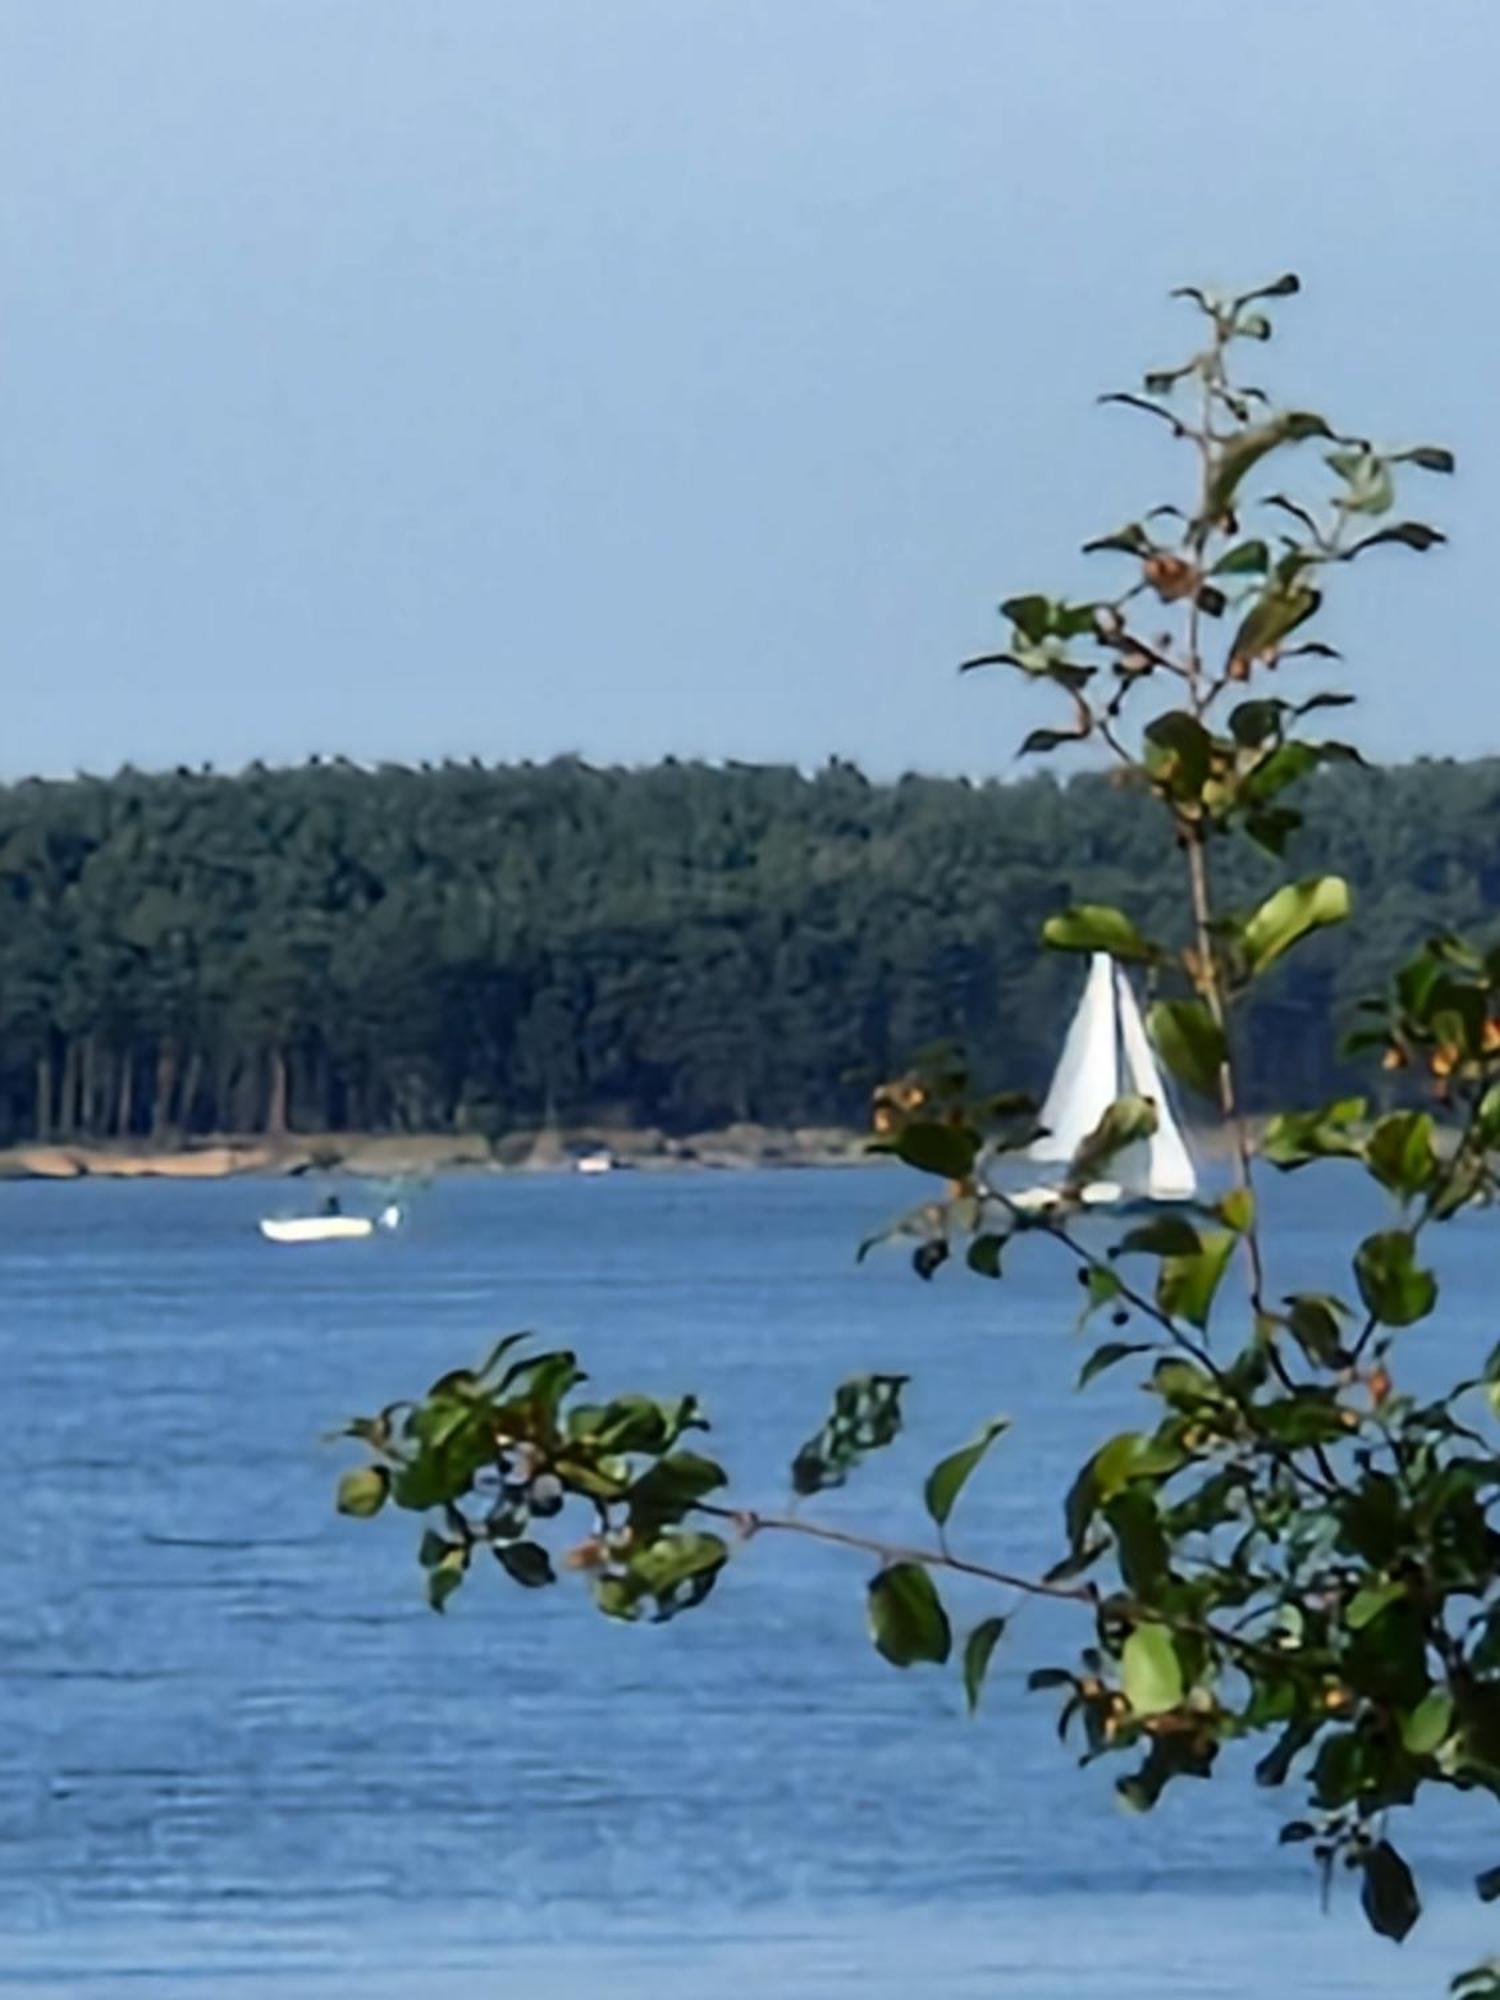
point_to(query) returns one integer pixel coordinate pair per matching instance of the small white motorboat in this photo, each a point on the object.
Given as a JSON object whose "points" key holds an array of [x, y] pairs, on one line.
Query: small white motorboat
{"points": [[1105, 1055], [600, 1162], [334, 1228]]}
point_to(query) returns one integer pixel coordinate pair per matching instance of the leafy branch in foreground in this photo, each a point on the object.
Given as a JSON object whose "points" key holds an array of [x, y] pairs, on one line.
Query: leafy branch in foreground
{"points": [[1297, 1549]]}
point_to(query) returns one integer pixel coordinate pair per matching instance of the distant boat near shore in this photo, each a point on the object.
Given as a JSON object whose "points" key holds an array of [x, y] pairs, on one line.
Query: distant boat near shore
{"points": [[600, 1161]]}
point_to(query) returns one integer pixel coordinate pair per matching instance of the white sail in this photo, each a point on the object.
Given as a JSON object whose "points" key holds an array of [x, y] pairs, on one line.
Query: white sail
{"points": [[1086, 1081], [1169, 1172]]}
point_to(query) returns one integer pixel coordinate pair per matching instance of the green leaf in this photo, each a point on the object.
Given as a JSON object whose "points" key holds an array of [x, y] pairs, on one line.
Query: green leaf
{"points": [[983, 1255], [1255, 722], [949, 1476], [1127, 1120], [497, 1354], [678, 1570], [978, 1647], [1389, 1896], [1189, 1041], [1186, 1286], [1101, 1288], [930, 1257], [1328, 699], [445, 1576], [1184, 1386], [1160, 385], [526, 1562], [1479, 1982], [1291, 913], [1041, 741], [1131, 540], [1305, 1418], [672, 1487], [1139, 1540], [1401, 1153], [1178, 753], [437, 1421], [1107, 1355], [1248, 447], [1272, 1769], [1282, 766], [639, 1423], [1430, 457], [1366, 1605], [617, 1596], [541, 1379], [991, 660], [1031, 616], [1313, 1319], [1285, 287], [1394, 1287], [1427, 1726], [1292, 1138], [1373, 1521], [1369, 488], [1410, 534], [1038, 618], [363, 1491], [1387, 1662], [1096, 927], [1272, 827], [907, 1620], [1237, 1209], [1271, 620], [1162, 1236], [1298, 512], [947, 1150], [866, 1415], [1464, 1181], [1131, 1455], [1151, 1671], [1245, 559]]}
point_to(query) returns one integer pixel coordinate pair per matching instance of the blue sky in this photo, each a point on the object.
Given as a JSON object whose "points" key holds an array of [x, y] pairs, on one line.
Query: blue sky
{"points": [[506, 377]]}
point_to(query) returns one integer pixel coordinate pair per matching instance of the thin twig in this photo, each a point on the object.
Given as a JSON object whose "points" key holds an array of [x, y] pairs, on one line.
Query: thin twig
{"points": [[751, 1522]]}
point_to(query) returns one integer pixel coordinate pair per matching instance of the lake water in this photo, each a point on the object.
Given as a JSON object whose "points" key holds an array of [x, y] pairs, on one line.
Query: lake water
{"points": [[238, 1756]]}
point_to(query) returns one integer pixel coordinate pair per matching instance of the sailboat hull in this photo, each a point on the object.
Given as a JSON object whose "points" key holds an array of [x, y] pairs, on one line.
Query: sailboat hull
{"points": [[1041, 1199], [1098, 1195]]}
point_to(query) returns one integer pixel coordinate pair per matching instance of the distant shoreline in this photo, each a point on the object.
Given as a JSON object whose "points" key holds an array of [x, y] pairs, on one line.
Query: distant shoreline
{"points": [[418, 1155]]}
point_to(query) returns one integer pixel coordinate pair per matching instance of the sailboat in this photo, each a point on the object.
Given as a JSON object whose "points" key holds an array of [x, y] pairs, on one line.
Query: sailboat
{"points": [[1106, 1056]]}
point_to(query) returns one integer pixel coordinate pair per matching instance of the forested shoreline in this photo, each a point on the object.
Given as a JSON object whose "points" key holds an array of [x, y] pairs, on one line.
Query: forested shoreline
{"points": [[466, 948]]}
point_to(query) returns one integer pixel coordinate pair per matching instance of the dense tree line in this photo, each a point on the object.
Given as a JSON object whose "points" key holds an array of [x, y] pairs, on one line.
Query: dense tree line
{"points": [[332, 947]]}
